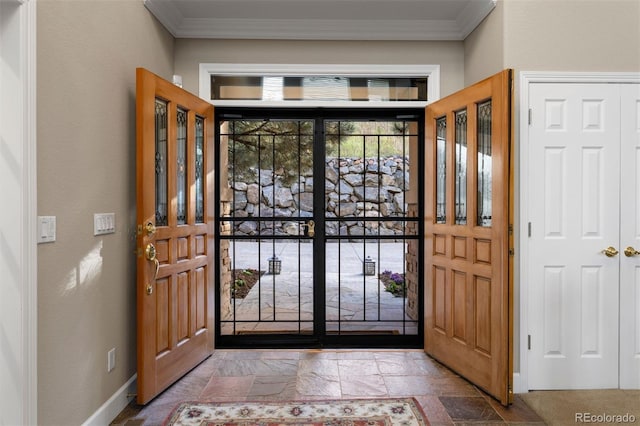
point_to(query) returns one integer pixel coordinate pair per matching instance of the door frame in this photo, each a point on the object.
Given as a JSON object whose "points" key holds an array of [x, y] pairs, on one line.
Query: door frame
{"points": [[18, 39], [320, 338], [528, 78]]}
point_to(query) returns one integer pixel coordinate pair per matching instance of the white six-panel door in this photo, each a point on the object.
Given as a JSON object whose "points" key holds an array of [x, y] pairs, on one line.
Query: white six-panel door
{"points": [[584, 197], [574, 215], [630, 236]]}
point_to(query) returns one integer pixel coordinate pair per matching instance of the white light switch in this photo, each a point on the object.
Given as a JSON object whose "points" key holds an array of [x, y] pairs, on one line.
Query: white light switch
{"points": [[46, 229], [104, 223]]}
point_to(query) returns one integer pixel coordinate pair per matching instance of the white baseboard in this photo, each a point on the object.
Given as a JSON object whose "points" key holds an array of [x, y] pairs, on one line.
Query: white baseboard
{"points": [[518, 386], [114, 405]]}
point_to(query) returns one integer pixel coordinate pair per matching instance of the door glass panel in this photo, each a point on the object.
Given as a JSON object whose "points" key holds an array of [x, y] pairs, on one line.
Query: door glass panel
{"points": [[461, 167], [484, 164], [199, 166], [441, 170], [269, 288], [266, 204], [161, 162], [366, 244], [370, 285], [181, 165]]}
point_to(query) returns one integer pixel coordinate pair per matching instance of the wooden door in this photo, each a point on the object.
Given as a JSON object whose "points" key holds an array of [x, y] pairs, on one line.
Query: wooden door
{"points": [[174, 183], [468, 300], [574, 157]]}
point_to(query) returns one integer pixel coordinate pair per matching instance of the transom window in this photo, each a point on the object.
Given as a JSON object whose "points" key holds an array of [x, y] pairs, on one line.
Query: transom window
{"points": [[320, 87]]}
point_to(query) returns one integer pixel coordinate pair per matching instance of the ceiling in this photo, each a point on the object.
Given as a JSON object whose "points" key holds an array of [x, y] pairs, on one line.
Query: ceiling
{"points": [[321, 19]]}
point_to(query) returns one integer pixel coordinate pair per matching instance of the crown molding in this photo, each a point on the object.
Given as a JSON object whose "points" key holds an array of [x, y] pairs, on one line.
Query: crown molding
{"points": [[457, 28], [472, 15]]}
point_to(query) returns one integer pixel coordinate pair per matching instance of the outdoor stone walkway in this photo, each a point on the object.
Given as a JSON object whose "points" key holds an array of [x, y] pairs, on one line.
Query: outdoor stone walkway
{"points": [[350, 296]]}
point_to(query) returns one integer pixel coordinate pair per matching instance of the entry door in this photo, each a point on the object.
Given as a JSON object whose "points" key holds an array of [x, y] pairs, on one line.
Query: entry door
{"points": [[174, 232], [468, 316], [584, 291], [319, 228]]}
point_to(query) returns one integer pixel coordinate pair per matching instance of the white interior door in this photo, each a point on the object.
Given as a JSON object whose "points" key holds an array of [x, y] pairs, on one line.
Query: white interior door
{"points": [[630, 237], [574, 199]]}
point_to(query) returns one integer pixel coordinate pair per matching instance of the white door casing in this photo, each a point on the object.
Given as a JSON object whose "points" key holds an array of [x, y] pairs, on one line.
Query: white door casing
{"points": [[630, 237], [580, 194], [18, 230]]}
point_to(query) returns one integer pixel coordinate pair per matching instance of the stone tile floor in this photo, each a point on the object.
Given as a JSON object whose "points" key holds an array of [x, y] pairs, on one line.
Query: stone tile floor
{"points": [[239, 375]]}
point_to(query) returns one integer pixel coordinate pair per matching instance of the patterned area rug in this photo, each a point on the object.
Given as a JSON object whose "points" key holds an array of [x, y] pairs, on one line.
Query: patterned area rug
{"points": [[354, 412]]}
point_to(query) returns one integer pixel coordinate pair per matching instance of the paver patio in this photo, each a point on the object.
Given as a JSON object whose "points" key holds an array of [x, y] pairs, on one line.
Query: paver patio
{"points": [[350, 295]]}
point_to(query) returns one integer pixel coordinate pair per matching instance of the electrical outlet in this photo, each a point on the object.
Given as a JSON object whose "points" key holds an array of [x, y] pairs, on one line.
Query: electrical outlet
{"points": [[111, 359]]}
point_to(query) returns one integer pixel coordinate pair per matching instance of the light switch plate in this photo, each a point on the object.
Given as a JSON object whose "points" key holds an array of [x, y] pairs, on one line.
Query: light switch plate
{"points": [[104, 223], [46, 229]]}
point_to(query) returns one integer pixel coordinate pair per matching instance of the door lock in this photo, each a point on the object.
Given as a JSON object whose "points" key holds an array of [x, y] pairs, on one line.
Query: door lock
{"points": [[151, 228], [311, 228]]}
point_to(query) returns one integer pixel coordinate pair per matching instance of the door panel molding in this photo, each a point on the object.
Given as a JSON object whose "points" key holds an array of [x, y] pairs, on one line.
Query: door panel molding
{"points": [[525, 80]]}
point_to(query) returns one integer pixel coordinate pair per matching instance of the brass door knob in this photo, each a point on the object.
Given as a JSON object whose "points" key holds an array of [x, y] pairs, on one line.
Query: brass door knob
{"points": [[610, 251], [630, 252]]}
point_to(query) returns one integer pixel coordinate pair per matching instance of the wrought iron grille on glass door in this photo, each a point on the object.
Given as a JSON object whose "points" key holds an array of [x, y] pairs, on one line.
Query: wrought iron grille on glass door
{"points": [[319, 229], [266, 207], [371, 227]]}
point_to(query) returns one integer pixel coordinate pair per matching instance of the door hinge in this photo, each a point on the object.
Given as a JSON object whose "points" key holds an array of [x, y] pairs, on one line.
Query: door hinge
{"points": [[530, 116], [512, 252], [529, 226], [510, 229], [529, 341]]}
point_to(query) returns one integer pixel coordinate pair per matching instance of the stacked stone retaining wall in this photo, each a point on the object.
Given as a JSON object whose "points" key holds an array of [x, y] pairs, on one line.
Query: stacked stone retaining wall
{"points": [[353, 187]]}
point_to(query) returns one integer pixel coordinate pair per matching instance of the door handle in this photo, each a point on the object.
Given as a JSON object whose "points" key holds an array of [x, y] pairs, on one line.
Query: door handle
{"points": [[630, 252], [610, 251], [150, 253], [311, 228]]}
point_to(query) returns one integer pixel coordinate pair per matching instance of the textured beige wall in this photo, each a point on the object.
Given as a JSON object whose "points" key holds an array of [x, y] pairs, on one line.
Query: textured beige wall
{"points": [[555, 35], [87, 53], [484, 47], [572, 35], [449, 55]]}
